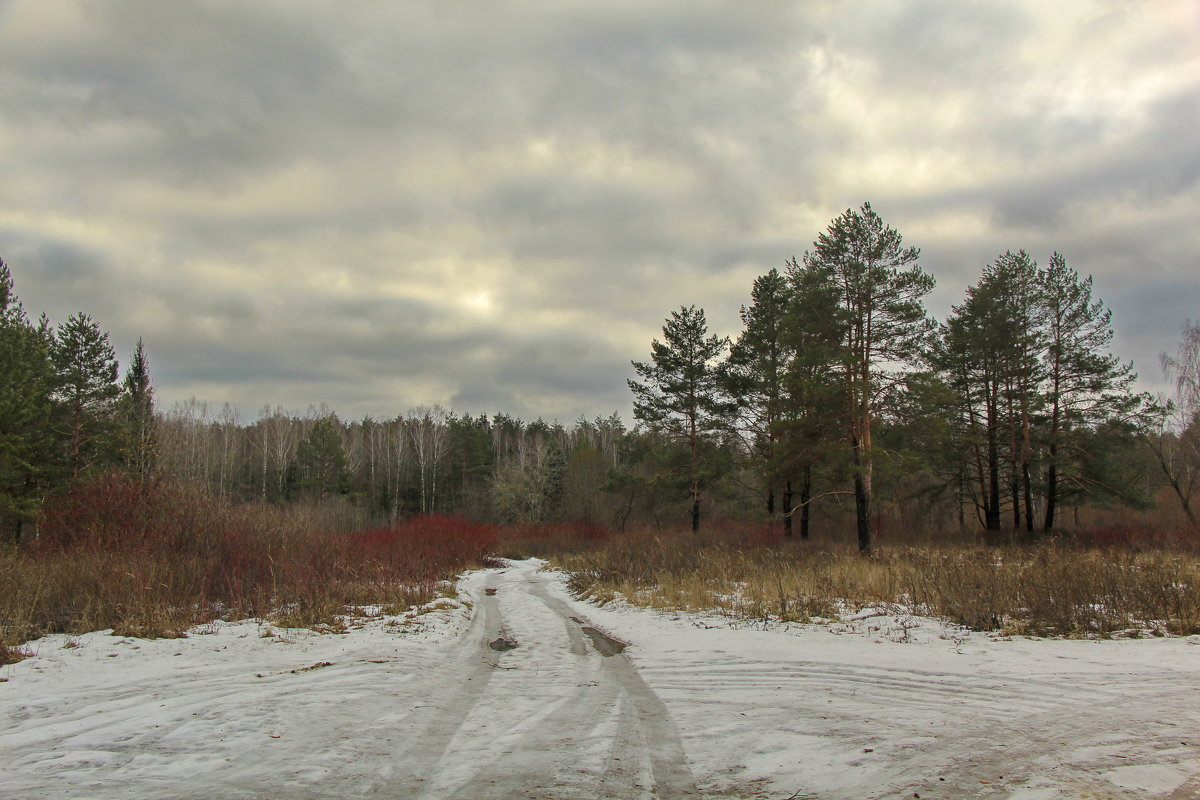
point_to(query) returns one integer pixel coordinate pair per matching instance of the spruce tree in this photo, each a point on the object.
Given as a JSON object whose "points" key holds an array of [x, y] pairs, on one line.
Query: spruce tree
{"points": [[320, 466], [138, 401]]}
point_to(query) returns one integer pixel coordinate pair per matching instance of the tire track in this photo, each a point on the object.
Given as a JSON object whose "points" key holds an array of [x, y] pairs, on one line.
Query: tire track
{"points": [[559, 715], [664, 748], [440, 721]]}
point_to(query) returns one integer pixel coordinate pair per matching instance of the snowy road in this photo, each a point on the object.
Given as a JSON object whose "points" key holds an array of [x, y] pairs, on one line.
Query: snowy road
{"points": [[523, 693], [540, 704]]}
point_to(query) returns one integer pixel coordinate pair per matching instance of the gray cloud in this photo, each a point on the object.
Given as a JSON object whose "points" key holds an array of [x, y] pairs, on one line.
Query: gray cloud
{"points": [[494, 205]]}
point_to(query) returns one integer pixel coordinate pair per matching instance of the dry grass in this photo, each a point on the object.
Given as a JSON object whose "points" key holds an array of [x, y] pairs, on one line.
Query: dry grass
{"points": [[156, 560], [153, 561], [1060, 588], [11, 655]]}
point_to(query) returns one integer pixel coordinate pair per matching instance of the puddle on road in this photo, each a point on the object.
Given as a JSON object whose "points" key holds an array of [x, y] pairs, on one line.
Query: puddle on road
{"points": [[604, 644], [503, 644]]}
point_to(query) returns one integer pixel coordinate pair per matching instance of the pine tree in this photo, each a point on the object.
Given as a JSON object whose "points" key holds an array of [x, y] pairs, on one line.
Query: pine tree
{"points": [[989, 352], [813, 400], [320, 466], [1086, 384], [681, 393], [878, 288], [26, 379], [754, 377], [86, 393]]}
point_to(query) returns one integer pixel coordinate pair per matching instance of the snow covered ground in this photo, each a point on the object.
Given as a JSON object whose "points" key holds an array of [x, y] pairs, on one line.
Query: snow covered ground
{"points": [[519, 693]]}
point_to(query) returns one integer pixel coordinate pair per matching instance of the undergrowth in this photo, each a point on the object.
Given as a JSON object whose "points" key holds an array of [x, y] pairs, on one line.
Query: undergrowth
{"points": [[1062, 587], [153, 560]]}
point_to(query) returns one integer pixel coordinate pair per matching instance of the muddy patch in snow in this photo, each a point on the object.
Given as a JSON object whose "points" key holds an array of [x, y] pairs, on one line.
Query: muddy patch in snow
{"points": [[605, 645]]}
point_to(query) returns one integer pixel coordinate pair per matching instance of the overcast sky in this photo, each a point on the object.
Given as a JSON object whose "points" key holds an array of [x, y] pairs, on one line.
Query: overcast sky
{"points": [[493, 205]]}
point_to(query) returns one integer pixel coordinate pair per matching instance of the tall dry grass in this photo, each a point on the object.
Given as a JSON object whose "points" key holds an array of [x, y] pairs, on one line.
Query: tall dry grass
{"points": [[154, 560], [1064, 587]]}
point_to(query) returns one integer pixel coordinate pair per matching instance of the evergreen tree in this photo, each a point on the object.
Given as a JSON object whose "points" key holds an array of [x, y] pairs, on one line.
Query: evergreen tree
{"points": [[320, 465], [814, 406], [754, 378], [878, 288], [681, 393], [470, 460], [989, 351], [86, 392], [138, 400], [26, 380], [1085, 384]]}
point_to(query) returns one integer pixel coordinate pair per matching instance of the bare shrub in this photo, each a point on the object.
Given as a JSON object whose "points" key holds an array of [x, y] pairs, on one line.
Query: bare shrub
{"points": [[155, 559]]}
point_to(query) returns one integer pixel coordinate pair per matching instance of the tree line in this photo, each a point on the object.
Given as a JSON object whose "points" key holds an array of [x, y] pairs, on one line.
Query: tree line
{"points": [[839, 402]]}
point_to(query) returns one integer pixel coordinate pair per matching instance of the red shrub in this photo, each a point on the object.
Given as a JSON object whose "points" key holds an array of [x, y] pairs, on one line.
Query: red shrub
{"points": [[168, 551], [424, 548]]}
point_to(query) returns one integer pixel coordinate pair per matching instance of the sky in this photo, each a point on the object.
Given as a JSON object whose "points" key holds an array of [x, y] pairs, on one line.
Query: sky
{"points": [[493, 205]]}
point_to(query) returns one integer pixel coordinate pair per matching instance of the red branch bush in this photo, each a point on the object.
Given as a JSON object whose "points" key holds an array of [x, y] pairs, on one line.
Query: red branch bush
{"points": [[155, 558]]}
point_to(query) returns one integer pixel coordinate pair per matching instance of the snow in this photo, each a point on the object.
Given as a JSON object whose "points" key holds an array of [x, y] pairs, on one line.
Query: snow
{"points": [[882, 705]]}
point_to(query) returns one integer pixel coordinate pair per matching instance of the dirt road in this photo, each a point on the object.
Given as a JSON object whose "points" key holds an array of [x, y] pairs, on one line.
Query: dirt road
{"points": [[540, 703], [515, 695]]}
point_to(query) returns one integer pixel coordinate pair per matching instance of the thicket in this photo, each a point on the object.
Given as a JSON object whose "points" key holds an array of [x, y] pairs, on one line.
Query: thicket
{"points": [[155, 558]]}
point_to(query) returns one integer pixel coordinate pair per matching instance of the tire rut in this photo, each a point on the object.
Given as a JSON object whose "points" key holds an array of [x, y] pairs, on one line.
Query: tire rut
{"points": [[441, 720], [596, 729]]}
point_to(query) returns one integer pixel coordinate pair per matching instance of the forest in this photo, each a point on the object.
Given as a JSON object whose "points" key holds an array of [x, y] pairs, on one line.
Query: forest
{"points": [[841, 414]]}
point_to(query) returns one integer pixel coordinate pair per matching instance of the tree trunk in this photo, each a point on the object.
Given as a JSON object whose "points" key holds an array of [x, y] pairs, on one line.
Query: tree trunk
{"points": [[862, 499], [1184, 502], [1016, 498], [695, 510], [959, 496], [862, 505], [991, 505], [1028, 497], [787, 508], [805, 496], [1051, 490], [693, 442]]}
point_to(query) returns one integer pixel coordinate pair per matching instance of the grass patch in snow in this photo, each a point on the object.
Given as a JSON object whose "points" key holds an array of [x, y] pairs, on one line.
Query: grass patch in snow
{"points": [[1056, 588]]}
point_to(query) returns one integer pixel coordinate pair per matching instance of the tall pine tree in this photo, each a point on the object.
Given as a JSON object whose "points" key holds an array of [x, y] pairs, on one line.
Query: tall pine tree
{"points": [[86, 392], [681, 393], [754, 376], [1085, 384], [878, 288]]}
